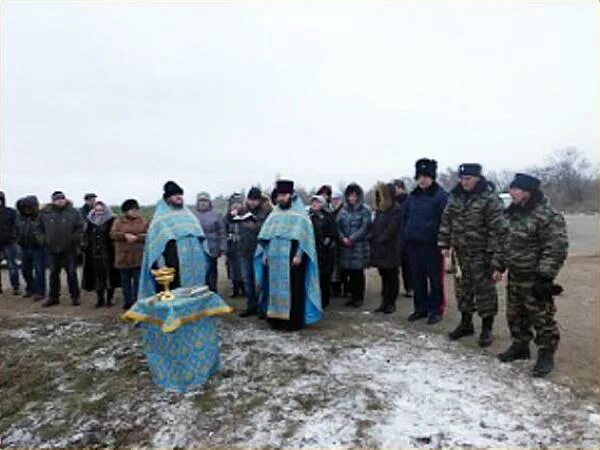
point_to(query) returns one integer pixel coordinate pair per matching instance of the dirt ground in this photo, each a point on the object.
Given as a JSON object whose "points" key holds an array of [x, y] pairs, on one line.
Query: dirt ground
{"points": [[50, 358]]}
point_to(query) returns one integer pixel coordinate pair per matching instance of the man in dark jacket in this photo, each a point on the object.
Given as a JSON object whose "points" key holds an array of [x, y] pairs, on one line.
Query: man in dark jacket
{"points": [[422, 215], [33, 260], [89, 201], [60, 230], [326, 234], [400, 197], [258, 209], [386, 253], [213, 225], [8, 237]]}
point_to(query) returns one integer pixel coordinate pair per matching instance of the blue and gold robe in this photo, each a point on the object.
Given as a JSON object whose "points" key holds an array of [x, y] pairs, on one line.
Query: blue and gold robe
{"points": [[275, 241], [182, 226]]}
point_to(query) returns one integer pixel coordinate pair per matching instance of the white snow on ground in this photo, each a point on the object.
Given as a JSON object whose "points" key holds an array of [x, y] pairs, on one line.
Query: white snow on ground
{"points": [[375, 386], [19, 334]]}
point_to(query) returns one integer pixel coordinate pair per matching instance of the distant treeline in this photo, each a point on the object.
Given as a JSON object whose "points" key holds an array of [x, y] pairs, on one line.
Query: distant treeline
{"points": [[568, 178]]}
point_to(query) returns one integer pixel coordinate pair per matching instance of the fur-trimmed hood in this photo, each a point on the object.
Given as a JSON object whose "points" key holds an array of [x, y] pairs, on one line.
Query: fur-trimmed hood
{"points": [[354, 187], [49, 207], [31, 201], [382, 197]]}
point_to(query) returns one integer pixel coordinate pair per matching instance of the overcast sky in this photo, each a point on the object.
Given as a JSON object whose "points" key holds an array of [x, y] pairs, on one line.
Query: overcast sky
{"points": [[116, 98]]}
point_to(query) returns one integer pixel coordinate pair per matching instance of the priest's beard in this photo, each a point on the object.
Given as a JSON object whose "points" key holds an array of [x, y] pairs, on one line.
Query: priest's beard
{"points": [[176, 205], [285, 204]]}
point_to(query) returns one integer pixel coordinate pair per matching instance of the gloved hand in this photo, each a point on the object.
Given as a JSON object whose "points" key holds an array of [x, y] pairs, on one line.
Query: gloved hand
{"points": [[542, 287]]}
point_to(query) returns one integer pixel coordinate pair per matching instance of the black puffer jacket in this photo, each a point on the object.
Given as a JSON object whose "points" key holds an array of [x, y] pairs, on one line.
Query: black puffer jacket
{"points": [[60, 229], [385, 238], [29, 209], [8, 218]]}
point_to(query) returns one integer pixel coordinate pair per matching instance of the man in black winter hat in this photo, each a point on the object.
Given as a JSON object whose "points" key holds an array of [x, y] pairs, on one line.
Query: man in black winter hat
{"points": [[421, 223]]}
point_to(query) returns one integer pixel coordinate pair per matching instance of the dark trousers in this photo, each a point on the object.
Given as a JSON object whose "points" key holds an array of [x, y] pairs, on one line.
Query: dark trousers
{"points": [[10, 253], [356, 283], [425, 270], [130, 280], [390, 285], [211, 273], [57, 262], [247, 270], [33, 268], [406, 276], [325, 284]]}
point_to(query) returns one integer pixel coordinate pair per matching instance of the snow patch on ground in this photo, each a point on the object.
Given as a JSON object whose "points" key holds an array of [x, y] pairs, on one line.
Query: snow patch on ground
{"points": [[376, 386]]}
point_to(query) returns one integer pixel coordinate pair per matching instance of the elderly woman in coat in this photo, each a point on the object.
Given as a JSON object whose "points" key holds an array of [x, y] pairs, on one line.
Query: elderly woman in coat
{"points": [[354, 224], [100, 274], [385, 245]]}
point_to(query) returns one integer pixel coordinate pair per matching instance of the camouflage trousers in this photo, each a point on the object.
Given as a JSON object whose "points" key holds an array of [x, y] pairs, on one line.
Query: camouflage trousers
{"points": [[524, 312], [475, 289]]}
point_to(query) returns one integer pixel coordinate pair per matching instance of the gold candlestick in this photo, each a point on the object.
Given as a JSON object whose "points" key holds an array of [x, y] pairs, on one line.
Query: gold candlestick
{"points": [[165, 277]]}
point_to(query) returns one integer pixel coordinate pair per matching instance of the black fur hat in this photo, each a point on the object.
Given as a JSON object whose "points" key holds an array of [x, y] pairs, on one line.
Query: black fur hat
{"points": [[427, 167], [469, 169]]}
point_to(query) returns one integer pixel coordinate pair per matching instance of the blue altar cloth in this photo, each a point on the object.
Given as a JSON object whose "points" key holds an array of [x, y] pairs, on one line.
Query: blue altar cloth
{"points": [[180, 336]]}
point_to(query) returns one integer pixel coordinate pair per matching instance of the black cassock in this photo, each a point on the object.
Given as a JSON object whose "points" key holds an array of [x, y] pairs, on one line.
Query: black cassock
{"points": [[298, 297]]}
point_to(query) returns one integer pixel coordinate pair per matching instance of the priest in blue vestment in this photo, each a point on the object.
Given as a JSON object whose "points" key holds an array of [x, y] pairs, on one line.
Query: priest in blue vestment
{"points": [[286, 266], [175, 239]]}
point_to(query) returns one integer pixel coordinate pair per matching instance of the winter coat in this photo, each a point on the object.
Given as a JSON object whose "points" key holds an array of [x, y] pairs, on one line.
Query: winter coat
{"points": [[26, 222], [250, 227], [385, 238], [129, 255], [423, 214], [213, 225], [326, 236], [60, 229], [536, 243], [354, 223], [8, 218], [100, 255], [473, 221]]}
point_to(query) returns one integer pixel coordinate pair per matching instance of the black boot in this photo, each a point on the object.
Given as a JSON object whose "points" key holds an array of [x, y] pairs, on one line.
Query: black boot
{"points": [[389, 308], [50, 302], [545, 362], [249, 312], [100, 301], [464, 328], [514, 352], [485, 338], [380, 308]]}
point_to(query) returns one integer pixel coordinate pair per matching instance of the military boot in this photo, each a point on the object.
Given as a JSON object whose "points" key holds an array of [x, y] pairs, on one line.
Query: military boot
{"points": [[514, 352], [464, 328], [485, 338], [545, 362]]}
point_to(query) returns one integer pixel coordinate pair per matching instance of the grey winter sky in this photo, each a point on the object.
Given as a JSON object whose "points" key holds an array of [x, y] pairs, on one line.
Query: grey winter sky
{"points": [[118, 97]]}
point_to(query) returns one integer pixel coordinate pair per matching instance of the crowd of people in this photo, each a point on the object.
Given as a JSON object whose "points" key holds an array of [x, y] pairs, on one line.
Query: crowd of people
{"points": [[288, 259]]}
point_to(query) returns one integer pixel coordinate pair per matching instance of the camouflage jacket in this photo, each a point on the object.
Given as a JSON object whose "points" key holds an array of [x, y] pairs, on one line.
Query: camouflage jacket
{"points": [[474, 221], [536, 242]]}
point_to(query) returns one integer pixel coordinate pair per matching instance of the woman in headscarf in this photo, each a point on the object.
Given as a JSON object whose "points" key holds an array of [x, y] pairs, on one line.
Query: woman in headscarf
{"points": [[100, 274]]}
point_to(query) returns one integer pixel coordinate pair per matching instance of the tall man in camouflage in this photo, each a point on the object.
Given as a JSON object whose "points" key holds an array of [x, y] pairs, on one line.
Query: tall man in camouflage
{"points": [[473, 225], [534, 251]]}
